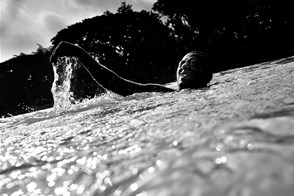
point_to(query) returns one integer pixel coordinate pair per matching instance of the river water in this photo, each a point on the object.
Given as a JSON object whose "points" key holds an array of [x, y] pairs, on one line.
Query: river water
{"points": [[235, 137]]}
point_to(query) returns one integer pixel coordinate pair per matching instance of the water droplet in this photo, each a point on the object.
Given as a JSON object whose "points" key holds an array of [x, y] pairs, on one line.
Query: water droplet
{"points": [[219, 147], [151, 169], [221, 160], [59, 190], [158, 162], [81, 189], [74, 187], [134, 187], [175, 143], [31, 186], [250, 146], [51, 183]]}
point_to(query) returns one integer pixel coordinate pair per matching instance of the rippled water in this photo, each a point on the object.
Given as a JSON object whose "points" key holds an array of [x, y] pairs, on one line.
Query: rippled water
{"points": [[234, 138]]}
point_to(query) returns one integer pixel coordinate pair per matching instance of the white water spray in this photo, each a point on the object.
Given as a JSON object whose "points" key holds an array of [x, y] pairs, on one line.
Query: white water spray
{"points": [[62, 95]]}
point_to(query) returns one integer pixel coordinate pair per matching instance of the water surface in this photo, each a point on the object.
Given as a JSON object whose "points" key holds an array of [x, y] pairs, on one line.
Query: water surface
{"points": [[233, 138]]}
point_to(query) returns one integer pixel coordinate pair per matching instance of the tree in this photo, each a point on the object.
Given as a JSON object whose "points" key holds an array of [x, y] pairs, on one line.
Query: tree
{"points": [[234, 28], [136, 45], [199, 19], [26, 82]]}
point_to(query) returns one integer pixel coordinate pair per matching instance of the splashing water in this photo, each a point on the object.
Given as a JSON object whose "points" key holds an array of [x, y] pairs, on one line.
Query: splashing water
{"points": [[63, 69], [235, 138]]}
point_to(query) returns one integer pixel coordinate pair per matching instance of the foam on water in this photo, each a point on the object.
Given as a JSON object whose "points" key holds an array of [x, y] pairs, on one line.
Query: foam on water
{"points": [[195, 142], [61, 90]]}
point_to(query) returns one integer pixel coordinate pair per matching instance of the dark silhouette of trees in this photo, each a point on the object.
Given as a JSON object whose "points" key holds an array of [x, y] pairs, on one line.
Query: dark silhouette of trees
{"points": [[25, 83], [136, 45], [237, 32], [197, 21]]}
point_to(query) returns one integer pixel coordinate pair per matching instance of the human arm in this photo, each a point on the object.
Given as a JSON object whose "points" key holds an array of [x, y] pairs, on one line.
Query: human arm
{"points": [[105, 77]]}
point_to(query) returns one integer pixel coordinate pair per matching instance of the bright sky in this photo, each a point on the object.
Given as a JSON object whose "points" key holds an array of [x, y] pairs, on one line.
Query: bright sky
{"points": [[26, 23]]}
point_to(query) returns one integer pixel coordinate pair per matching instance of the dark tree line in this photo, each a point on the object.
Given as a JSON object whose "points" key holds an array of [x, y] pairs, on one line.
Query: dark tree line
{"points": [[146, 46], [237, 33], [133, 44], [25, 83]]}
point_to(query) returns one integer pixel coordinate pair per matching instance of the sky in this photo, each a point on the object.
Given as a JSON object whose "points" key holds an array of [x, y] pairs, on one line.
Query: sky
{"points": [[26, 23]]}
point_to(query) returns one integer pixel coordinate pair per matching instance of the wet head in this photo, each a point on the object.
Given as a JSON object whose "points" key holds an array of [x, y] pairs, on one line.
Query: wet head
{"points": [[193, 71]]}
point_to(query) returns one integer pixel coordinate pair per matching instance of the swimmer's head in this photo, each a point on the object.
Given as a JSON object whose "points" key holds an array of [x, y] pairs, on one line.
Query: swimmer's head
{"points": [[192, 71]]}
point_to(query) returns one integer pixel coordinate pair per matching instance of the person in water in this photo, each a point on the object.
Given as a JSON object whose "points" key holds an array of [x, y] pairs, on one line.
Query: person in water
{"points": [[192, 72]]}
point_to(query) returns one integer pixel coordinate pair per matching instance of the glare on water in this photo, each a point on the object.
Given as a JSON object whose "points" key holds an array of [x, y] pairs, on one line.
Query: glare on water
{"points": [[179, 143]]}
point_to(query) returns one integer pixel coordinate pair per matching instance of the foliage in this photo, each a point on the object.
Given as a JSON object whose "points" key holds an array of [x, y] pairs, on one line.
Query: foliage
{"points": [[232, 30], [25, 83], [136, 45], [239, 19]]}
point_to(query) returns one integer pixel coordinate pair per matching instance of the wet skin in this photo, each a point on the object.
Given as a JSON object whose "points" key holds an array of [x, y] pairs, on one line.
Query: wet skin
{"points": [[102, 75], [190, 71]]}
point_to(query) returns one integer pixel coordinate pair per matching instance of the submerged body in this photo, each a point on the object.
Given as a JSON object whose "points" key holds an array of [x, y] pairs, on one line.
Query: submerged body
{"points": [[191, 72]]}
